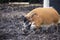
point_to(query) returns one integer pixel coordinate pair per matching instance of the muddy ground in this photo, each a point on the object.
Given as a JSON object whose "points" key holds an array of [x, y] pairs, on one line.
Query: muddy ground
{"points": [[10, 25]]}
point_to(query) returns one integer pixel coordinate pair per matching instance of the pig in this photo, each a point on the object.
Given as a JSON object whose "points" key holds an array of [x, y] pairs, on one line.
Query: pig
{"points": [[41, 16]]}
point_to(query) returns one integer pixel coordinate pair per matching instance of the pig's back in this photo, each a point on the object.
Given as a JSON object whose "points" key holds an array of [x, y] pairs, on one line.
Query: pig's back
{"points": [[49, 15]]}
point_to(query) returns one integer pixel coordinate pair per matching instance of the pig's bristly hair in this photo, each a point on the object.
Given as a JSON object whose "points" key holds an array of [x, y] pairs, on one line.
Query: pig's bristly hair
{"points": [[43, 16]]}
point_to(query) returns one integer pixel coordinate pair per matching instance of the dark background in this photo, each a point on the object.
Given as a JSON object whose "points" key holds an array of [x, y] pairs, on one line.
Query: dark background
{"points": [[31, 1], [53, 3]]}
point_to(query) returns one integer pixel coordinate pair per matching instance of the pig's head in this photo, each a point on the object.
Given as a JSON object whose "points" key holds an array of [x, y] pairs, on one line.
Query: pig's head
{"points": [[27, 25]]}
